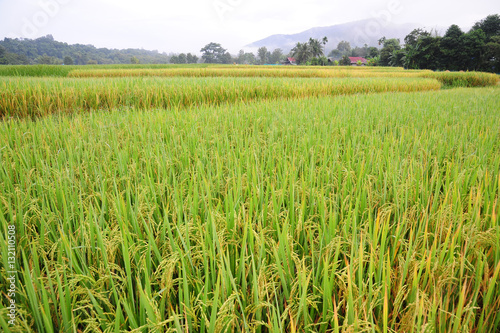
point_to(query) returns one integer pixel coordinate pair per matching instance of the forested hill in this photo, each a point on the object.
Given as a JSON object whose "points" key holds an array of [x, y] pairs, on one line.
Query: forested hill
{"points": [[45, 50]]}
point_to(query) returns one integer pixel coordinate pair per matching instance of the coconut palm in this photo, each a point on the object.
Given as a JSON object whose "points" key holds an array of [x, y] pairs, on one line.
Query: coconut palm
{"points": [[302, 52]]}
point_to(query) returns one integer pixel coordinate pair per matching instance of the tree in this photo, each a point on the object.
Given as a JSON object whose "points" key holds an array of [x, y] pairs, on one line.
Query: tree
{"points": [[344, 47], [249, 58], [174, 59], [492, 55], [412, 38], [68, 60], [301, 52], [335, 54], [213, 53], [396, 58], [182, 58], [490, 26], [373, 61], [191, 59], [316, 47], [15, 59], [134, 60], [226, 58], [426, 54], [473, 44], [262, 54], [3, 52], [360, 51], [390, 45], [276, 56], [80, 58], [372, 52], [48, 60], [320, 61], [452, 48], [345, 61]]}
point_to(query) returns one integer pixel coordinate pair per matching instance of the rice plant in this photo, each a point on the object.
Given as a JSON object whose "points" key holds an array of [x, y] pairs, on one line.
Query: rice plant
{"points": [[369, 212], [33, 97], [448, 79]]}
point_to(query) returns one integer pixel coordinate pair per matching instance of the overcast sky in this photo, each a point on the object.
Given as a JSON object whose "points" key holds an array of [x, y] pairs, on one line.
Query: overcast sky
{"points": [[187, 25]]}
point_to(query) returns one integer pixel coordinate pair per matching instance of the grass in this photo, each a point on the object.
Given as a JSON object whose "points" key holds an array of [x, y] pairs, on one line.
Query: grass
{"points": [[32, 97], [373, 212]]}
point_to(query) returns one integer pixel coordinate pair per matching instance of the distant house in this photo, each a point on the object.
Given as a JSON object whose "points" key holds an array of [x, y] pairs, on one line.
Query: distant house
{"points": [[354, 61], [289, 61]]}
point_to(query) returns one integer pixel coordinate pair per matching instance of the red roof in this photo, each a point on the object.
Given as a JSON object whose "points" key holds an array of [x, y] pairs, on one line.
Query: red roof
{"points": [[291, 59], [355, 60]]}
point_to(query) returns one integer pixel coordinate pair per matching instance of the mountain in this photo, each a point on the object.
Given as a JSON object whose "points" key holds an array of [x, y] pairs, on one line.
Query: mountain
{"points": [[46, 50], [358, 33]]}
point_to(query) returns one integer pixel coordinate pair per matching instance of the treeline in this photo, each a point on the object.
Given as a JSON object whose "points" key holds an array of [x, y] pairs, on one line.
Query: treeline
{"points": [[45, 50], [475, 50]]}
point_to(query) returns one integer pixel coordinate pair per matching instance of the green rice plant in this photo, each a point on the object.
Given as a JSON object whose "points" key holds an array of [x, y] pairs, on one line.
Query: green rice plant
{"points": [[368, 212], [463, 79], [36, 70], [63, 70]]}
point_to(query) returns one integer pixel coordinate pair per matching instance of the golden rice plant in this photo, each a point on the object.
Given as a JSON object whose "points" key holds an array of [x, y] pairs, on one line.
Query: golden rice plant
{"points": [[22, 97]]}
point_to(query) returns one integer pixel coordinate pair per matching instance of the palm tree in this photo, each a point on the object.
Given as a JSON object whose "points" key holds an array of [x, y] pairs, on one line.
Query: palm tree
{"points": [[302, 52], [316, 47]]}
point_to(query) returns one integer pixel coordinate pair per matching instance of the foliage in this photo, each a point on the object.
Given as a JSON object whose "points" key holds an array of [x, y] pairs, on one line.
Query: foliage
{"points": [[360, 51], [46, 60], [68, 61], [26, 51], [492, 55], [276, 56], [387, 52], [374, 61], [246, 58], [456, 50], [335, 54], [320, 61], [344, 47], [263, 55], [213, 53], [345, 61], [424, 53], [451, 46], [490, 26], [372, 52], [134, 60], [191, 58], [304, 52], [183, 58], [473, 47]]}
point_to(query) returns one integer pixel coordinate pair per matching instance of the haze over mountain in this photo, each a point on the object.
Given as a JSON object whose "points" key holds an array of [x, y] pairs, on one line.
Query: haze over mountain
{"points": [[358, 33]]}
